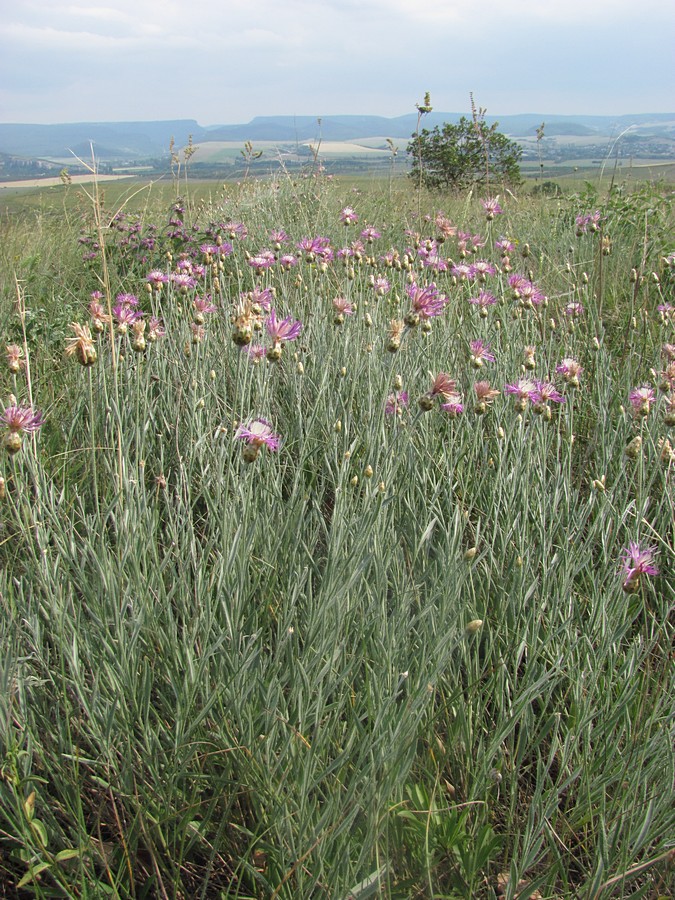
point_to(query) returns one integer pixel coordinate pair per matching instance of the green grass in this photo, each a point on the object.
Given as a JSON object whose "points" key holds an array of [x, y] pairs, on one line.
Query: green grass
{"points": [[393, 658]]}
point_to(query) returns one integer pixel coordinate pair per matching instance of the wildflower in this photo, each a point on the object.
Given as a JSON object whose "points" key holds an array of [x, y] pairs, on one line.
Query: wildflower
{"points": [[202, 306], [278, 237], [443, 386], [263, 260], [492, 208], [524, 392], [666, 311], [504, 245], [255, 352], [183, 281], [256, 434], [453, 406], [463, 272], [342, 308], [348, 216], [483, 301], [668, 352], [155, 329], [482, 268], [444, 228], [82, 345], [285, 330], [287, 261], [545, 394], [19, 420], [381, 286], [396, 403], [484, 396], [370, 234], [125, 315], [480, 353], [198, 332], [574, 308], [99, 317], [15, 360], [570, 370], [427, 302], [637, 561], [641, 400]]}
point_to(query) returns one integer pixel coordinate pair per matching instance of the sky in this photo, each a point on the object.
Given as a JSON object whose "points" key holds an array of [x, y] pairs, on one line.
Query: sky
{"points": [[228, 61]]}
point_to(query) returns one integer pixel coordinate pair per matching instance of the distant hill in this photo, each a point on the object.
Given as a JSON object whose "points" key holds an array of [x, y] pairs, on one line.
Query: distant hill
{"points": [[130, 141]]}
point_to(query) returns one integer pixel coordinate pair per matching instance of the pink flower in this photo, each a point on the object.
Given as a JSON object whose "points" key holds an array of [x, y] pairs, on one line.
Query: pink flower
{"points": [[370, 234], [263, 260], [570, 370], [480, 353], [427, 301], [381, 286], [257, 433], [285, 330], [524, 392], [546, 393], [641, 400], [492, 208], [348, 216], [22, 419], [342, 306], [483, 301], [637, 561], [453, 406]]}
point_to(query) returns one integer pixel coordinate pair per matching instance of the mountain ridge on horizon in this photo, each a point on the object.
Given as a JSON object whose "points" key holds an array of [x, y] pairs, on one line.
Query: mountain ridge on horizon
{"points": [[146, 138]]}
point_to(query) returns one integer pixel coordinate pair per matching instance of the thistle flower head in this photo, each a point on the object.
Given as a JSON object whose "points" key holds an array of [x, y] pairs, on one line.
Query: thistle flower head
{"points": [[256, 434], [641, 399], [637, 561]]}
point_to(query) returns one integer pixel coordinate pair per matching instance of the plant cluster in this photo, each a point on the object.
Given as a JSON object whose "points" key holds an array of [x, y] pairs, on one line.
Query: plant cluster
{"points": [[338, 552]]}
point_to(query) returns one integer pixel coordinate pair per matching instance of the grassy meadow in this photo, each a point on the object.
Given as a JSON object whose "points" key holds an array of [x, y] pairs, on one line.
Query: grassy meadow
{"points": [[337, 536]]}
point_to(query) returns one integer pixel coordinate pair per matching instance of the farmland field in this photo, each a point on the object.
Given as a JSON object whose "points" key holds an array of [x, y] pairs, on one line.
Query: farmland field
{"points": [[337, 532]]}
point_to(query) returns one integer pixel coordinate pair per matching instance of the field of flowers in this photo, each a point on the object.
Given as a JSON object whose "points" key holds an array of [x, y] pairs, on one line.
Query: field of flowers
{"points": [[337, 531]]}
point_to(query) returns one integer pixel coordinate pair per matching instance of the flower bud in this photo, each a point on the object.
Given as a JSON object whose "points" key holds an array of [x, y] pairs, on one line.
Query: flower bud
{"points": [[474, 626]]}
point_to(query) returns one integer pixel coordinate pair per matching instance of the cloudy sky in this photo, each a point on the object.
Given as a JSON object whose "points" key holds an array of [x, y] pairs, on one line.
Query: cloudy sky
{"points": [[226, 61]]}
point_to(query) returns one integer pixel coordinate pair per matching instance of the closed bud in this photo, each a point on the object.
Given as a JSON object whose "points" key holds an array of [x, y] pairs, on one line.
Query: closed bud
{"points": [[474, 626]]}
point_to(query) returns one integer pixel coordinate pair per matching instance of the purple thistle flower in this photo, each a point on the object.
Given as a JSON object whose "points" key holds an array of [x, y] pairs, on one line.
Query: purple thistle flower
{"points": [[505, 245], [546, 393], [492, 207], [482, 268], [370, 234], [463, 272], [524, 392], [257, 433], [183, 280], [263, 260], [285, 330], [453, 406], [381, 286], [22, 419], [157, 278], [480, 353], [637, 561], [570, 369], [483, 301], [278, 237], [348, 216], [427, 301], [641, 400]]}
